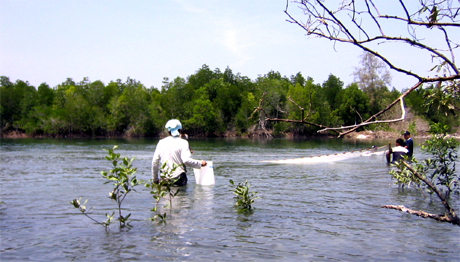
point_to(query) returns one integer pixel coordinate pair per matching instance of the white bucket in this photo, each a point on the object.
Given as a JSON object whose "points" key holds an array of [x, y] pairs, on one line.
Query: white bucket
{"points": [[205, 175]]}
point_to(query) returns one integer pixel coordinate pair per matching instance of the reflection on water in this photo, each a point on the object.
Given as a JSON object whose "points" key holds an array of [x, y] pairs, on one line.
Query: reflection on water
{"points": [[324, 211]]}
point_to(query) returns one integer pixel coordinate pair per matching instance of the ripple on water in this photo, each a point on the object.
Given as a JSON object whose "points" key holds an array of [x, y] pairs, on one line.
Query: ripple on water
{"points": [[327, 211]]}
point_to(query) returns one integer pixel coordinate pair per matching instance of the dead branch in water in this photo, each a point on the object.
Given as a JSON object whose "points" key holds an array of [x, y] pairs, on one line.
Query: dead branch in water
{"points": [[420, 213]]}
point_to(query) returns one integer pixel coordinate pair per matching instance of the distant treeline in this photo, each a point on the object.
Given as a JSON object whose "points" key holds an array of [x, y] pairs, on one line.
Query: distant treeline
{"points": [[208, 103]]}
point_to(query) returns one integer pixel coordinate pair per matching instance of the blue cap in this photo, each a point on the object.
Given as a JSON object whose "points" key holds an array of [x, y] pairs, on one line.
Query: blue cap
{"points": [[173, 127]]}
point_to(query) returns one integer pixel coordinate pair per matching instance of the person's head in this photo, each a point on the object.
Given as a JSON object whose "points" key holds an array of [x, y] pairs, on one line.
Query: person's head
{"points": [[183, 134], [399, 142], [406, 135], [174, 126]]}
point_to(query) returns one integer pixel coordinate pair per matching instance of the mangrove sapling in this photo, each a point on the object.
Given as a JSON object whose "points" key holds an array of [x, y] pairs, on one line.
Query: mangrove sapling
{"points": [[158, 193], [124, 181], [76, 203], [434, 175], [244, 198], [163, 189]]}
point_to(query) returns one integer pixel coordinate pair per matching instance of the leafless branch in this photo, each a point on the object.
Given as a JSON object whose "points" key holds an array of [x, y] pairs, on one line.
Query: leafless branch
{"points": [[325, 22], [369, 121], [352, 128], [299, 122], [292, 101], [259, 108], [420, 213], [328, 20], [419, 23], [352, 108]]}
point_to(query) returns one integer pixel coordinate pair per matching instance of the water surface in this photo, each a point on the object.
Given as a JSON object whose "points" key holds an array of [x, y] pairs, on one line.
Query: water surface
{"points": [[315, 212]]}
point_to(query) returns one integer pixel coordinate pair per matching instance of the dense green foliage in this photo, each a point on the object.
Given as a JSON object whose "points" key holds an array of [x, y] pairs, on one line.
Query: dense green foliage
{"points": [[207, 102], [435, 105]]}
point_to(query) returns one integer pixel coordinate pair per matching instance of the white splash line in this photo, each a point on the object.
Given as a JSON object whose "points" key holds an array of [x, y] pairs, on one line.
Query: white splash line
{"points": [[329, 157]]}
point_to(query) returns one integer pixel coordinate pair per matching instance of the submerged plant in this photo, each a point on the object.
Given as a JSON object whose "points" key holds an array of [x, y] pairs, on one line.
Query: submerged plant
{"points": [[244, 198], [163, 189], [124, 181]]}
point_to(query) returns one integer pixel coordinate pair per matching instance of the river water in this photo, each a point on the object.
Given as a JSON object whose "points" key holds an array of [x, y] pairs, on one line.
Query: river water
{"points": [[311, 212]]}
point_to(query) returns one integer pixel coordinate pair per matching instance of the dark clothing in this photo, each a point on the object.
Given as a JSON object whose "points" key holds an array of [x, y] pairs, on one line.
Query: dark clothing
{"points": [[398, 153], [398, 156], [410, 146], [182, 181]]}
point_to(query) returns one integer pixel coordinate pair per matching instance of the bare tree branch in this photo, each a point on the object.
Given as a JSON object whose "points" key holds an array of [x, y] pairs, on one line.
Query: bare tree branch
{"points": [[368, 122], [259, 108], [421, 213], [419, 23], [299, 122], [328, 23], [337, 27], [292, 101], [450, 216]]}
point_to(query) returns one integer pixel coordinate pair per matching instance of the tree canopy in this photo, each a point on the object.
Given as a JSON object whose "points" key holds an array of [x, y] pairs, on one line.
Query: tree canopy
{"points": [[208, 102], [212, 102]]}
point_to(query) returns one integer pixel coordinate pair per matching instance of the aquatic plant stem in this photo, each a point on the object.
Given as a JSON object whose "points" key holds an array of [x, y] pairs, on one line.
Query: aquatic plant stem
{"points": [[450, 216], [451, 211]]}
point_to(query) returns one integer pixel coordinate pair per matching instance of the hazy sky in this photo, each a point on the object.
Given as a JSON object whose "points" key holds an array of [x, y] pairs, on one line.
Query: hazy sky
{"points": [[49, 41]]}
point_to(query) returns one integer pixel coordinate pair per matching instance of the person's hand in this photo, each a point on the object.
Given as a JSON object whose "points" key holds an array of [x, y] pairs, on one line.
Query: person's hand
{"points": [[203, 163]]}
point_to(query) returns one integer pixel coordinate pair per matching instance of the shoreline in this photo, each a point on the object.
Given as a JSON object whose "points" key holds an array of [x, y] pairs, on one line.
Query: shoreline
{"points": [[364, 135]]}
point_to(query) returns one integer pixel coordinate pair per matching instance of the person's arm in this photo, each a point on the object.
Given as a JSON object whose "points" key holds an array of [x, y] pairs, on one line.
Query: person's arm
{"points": [[408, 143], [155, 164], [187, 159]]}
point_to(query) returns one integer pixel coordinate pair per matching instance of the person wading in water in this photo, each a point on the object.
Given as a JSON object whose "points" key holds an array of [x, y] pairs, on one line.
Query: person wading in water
{"points": [[409, 144], [175, 152], [398, 152]]}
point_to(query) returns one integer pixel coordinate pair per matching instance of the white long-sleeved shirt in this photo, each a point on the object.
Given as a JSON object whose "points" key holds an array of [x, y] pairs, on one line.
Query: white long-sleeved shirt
{"points": [[173, 150]]}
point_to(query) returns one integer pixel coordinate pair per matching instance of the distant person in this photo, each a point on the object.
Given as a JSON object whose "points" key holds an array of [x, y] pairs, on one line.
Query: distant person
{"points": [[409, 145], [398, 152], [174, 151], [184, 135]]}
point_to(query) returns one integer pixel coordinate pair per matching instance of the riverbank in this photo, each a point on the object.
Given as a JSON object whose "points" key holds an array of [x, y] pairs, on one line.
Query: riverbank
{"points": [[266, 134]]}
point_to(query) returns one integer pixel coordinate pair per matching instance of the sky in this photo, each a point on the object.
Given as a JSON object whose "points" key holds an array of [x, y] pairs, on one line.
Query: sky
{"points": [[146, 40]]}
